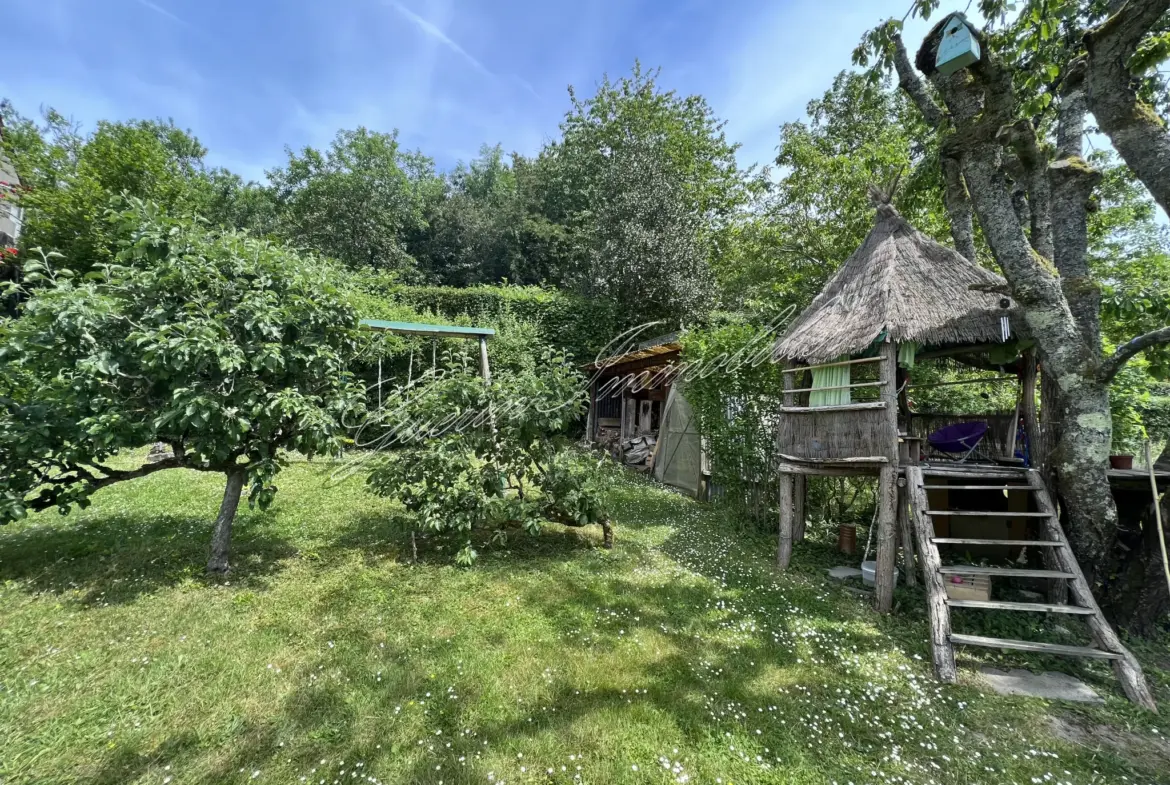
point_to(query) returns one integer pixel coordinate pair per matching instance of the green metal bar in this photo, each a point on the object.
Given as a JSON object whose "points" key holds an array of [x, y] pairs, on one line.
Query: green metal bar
{"points": [[413, 328]]}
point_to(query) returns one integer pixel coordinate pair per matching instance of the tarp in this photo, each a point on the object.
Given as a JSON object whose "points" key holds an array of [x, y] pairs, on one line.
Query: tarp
{"points": [[679, 459]]}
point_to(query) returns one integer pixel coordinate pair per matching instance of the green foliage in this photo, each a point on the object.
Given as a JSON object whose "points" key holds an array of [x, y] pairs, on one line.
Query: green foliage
{"points": [[227, 348], [463, 455], [734, 409], [71, 180], [858, 134], [646, 182], [358, 201]]}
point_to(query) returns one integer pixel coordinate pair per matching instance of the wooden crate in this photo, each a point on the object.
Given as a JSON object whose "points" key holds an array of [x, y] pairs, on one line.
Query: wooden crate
{"points": [[972, 587]]}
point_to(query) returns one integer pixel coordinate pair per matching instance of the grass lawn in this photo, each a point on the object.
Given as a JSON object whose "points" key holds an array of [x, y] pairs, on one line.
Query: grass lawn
{"points": [[328, 657]]}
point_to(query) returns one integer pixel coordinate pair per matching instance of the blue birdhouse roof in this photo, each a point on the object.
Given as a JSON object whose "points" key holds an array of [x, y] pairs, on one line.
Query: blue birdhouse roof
{"points": [[959, 47]]}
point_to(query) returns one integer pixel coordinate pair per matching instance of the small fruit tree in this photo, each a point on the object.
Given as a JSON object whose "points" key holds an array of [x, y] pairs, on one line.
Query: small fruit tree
{"points": [[230, 350], [464, 455]]}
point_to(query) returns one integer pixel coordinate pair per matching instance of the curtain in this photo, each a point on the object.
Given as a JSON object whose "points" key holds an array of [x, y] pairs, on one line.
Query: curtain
{"points": [[906, 353], [835, 376]]}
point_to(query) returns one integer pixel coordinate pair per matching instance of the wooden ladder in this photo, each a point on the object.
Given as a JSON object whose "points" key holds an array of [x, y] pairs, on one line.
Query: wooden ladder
{"points": [[1060, 565]]}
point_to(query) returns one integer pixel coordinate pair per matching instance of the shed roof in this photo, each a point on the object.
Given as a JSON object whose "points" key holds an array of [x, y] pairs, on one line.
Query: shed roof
{"points": [[903, 283]]}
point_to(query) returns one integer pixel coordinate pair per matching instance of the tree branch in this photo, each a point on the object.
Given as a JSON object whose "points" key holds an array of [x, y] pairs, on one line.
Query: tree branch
{"points": [[1134, 128], [48, 497], [1126, 351], [955, 197], [913, 86]]}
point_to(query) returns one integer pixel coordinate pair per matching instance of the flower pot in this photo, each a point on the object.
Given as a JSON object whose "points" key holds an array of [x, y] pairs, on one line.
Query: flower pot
{"points": [[1121, 461], [847, 538]]}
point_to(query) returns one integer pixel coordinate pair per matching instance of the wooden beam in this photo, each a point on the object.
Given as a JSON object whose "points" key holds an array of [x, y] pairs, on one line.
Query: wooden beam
{"points": [[1043, 648], [795, 369], [984, 380], [907, 541], [1033, 607], [484, 369], [799, 496], [942, 652], [784, 546], [845, 407], [1015, 572], [831, 461], [885, 571], [860, 470], [837, 386]]}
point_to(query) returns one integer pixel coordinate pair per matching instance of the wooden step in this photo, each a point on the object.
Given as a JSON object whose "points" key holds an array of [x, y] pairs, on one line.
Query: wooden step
{"points": [[977, 541], [1034, 607], [1027, 488], [989, 513], [1013, 571], [1045, 648], [975, 472]]}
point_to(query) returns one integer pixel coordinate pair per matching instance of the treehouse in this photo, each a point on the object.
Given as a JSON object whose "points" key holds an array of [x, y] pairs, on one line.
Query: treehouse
{"points": [[959, 485]]}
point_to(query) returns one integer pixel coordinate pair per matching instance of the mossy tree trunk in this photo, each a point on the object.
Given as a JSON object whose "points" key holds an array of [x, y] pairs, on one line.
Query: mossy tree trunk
{"points": [[1043, 257]]}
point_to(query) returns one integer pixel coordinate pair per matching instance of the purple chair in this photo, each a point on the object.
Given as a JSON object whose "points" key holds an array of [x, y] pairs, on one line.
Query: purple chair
{"points": [[959, 439]]}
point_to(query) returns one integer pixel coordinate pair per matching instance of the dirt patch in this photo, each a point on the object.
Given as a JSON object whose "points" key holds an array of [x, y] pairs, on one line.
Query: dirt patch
{"points": [[1133, 746]]}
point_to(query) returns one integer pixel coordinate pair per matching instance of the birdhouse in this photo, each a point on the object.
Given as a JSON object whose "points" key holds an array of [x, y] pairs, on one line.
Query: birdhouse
{"points": [[958, 48]]}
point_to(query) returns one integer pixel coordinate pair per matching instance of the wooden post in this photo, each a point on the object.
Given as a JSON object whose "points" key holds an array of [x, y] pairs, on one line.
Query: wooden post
{"points": [[799, 496], [622, 425], [784, 493], [484, 369], [942, 651], [784, 548], [591, 418], [887, 501], [887, 496], [1028, 404], [907, 541]]}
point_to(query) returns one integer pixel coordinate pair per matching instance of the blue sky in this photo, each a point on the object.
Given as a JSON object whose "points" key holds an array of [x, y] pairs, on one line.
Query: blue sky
{"points": [[249, 77]]}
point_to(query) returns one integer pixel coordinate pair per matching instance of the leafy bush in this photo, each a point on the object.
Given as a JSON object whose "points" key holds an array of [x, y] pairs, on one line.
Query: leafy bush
{"points": [[228, 349], [464, 456]]}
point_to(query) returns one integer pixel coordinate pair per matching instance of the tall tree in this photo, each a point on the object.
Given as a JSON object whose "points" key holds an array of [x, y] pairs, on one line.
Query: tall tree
{"points": [[70, 179], [474, 231], [358, 201], [1015, 121], [675, 141]]}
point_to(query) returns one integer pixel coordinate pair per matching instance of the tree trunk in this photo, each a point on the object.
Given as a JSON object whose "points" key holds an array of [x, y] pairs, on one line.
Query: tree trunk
{"points": [[221, 536]]}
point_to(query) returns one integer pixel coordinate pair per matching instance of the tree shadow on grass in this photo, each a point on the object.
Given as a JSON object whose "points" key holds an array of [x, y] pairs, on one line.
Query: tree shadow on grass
{"points": [[115, 558]]}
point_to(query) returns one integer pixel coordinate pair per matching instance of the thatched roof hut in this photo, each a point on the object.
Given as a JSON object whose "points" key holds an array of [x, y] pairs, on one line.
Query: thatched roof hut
{"points": [[904, 283]]}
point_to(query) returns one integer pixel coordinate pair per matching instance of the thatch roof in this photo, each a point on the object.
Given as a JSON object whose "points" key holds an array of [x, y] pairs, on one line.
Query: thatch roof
{"points": [[899, 281]]}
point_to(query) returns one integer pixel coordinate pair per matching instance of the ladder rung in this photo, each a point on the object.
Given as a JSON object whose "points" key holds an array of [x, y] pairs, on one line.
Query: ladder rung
{"points": [[1046, 648], [1016, 571], [990, 513], [1035, 607], [976, 541], [978, 487], [984, 473]]}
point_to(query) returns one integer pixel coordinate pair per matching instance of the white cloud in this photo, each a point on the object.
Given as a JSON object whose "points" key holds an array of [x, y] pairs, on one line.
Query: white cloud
{"points": [[434, 32], [158, 9]]}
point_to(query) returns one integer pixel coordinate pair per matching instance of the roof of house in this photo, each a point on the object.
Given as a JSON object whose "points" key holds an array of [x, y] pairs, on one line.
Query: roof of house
{"points": [[902, 283]]}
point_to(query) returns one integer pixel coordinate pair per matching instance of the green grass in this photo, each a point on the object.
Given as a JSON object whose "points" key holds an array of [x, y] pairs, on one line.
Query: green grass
{"points": [[680, 656]]}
